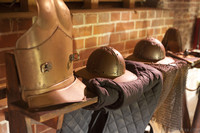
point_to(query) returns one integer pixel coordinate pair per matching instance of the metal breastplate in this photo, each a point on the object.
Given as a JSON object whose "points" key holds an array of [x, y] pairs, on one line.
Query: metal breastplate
{"points": [[45, 65], [43, 53]]}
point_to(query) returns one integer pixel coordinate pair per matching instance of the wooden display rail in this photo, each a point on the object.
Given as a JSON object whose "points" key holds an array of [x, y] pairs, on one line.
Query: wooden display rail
{"points": [[192, 60], [94, 4], [22, 5], [52, 112], [20, 117]]}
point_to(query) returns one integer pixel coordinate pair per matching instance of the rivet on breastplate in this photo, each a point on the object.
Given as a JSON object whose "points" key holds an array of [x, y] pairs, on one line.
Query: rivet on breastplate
{"points": [[46, 67], [74, 57]]}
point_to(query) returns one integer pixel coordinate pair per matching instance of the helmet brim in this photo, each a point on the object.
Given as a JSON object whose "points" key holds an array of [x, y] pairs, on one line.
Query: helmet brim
{"points": [[68, 94], [86, 75], [166, 60]]}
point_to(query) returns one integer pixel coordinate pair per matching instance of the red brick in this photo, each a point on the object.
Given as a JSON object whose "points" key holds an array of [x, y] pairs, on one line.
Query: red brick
{"points": [[130, 44], [134, 15], [78, 64], [75, 32], [159, 14], [186, 15], [157, 22], [3, 102], [114, 38], [130, 51], [169, 21], [151, 14], [82, 31], [171, 14], [149, 32], [3, 128], [102, 40], [90, 42], [2, 115], [85, 53], [115, 16], [142, 33], [125, 26], [9, 40], [157, 31], [21, 24], [78, 43], [160, 37], [99, 29], [142, 24], [133, 34], [118, 46], [91, 18], [125, 16], [124, 36], [77, 19], [126, 53], [2, 71], [104, 17], [143, 15], [166, 14], [5, 25], [164, 29]]}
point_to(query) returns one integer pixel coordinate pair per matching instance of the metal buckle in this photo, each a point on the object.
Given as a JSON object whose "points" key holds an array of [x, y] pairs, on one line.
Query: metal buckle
{"points": [[45, 67], [74, 57]]}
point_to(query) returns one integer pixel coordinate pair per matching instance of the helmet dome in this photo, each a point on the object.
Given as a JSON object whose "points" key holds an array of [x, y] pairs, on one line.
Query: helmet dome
{"points": [[149, 49]]}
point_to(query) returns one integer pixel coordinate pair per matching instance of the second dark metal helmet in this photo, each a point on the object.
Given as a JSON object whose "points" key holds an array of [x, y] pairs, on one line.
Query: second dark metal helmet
{"points": [[106, 62], [149, 49]]}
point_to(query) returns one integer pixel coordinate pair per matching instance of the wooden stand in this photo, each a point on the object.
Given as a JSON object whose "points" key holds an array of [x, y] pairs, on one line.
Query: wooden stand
{"points": [[20, 117]]}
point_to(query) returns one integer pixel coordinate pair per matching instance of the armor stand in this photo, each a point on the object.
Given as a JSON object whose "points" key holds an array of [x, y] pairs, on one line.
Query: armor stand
{"points": [[20, 117]]}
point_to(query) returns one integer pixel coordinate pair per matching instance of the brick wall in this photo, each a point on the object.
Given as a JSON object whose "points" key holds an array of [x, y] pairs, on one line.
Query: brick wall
{"points": [[119, 29], [184, 18]]}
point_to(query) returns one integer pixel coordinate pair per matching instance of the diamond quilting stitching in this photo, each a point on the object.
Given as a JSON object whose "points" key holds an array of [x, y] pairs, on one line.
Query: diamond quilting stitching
{"points": [[76, 121]]}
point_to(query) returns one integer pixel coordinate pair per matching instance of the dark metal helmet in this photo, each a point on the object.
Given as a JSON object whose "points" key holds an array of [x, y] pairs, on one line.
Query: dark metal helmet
{"points": [[106, 62], [149, 49], [172, 40]]}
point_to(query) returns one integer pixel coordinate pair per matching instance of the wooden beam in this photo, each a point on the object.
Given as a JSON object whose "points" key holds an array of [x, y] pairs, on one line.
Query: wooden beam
{"points": [[23, 5], [91, 4], [17, 123], [129, 3], [51, 112]]}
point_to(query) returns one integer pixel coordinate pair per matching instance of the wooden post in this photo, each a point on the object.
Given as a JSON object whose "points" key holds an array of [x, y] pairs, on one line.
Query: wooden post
{"points": [[186, 118], [196, 121], [129, 3], [17, 123]]}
